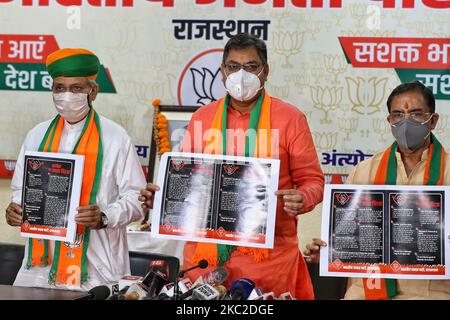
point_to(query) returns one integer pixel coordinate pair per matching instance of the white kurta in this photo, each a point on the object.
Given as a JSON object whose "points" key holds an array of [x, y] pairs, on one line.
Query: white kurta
{"points": [[121, 180]]}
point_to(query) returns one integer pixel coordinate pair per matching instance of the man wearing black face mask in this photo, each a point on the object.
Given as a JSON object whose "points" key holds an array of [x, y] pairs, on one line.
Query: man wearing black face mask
{"points": [[415, 158]]}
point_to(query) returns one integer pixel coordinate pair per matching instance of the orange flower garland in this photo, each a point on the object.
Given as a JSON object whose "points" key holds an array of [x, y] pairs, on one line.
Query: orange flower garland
{"points": [[160, 129]]}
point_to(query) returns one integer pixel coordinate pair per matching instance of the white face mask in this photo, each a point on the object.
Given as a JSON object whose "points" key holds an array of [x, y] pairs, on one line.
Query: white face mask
{"points": [[73, 107], [243, 85]]}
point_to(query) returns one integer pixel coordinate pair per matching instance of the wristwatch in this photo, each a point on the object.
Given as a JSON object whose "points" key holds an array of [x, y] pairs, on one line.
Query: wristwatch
{"points": [[104, 221]]}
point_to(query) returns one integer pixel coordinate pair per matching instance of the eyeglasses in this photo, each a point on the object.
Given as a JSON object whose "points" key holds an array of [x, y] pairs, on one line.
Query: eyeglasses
{"points": [[418, 116], [235, 67]]}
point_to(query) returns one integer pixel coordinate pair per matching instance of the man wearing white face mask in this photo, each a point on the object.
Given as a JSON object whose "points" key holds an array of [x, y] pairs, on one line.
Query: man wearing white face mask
{"points": [[415, 158], [281, 131], [110, 187]]}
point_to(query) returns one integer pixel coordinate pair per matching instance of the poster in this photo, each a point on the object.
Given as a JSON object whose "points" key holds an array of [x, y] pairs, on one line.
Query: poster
{"points": [[397, 232], [50, 195], [215, 198], [337, 61]]}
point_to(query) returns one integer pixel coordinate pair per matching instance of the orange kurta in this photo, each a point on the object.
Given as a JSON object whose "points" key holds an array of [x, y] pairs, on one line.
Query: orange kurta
{"points": [[285, 269]]}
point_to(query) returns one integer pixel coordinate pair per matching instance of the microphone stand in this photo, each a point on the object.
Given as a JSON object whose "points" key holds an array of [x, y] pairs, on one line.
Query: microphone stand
{"points": [[175, 288]]}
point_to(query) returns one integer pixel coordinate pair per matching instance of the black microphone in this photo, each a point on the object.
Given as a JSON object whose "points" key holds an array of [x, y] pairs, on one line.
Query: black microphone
{"points": [[187, 294], [202, 264], [97, 293], [240, 289], [158, 280]]}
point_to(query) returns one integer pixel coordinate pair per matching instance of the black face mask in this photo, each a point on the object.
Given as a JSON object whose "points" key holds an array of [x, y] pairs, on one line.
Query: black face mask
{"points": [[410, 134]]}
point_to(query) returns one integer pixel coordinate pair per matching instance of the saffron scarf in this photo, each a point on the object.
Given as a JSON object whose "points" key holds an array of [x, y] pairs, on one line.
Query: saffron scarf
{"points": [[387, 174], [69, 265], [257, 145]]}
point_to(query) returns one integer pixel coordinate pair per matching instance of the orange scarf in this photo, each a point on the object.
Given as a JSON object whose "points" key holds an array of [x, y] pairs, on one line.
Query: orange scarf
{"points": [[69, 265], [218, 254]]}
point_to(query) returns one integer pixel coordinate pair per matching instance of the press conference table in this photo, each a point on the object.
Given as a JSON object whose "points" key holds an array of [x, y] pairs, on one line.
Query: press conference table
{"points": [[27, 293]]}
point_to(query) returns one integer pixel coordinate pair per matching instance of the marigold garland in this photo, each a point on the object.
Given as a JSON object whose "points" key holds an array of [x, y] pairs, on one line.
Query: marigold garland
{"points": [[160, 129]]}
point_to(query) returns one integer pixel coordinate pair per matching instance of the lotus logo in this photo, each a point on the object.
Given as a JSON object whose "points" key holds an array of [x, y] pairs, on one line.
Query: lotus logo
{"points": [[72, 245], [326, 99], [382, 127], [325, 141], [201, 82], [366, 95]]}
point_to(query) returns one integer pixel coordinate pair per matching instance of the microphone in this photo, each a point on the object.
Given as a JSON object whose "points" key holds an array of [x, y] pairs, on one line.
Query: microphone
{"points": [[161, 296], [202, 264], [205, 292], [152, 283], [240, 289], [98, 293], [119, 295], [216, 277], [188, 294], [167, 290], [184, 285], [256, 294], [222, 291]]}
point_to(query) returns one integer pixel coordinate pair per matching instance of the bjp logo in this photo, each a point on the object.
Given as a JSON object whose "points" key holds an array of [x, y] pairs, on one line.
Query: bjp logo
{"points": [[200, 81]]}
